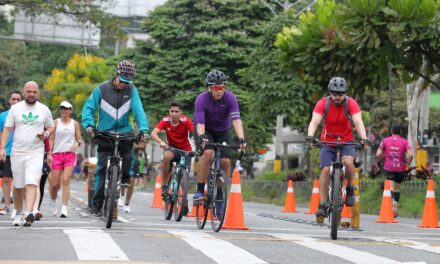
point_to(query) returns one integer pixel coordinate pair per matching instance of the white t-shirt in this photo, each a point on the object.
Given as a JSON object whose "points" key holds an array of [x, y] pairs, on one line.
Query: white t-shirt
{"points": [[28, 120]]}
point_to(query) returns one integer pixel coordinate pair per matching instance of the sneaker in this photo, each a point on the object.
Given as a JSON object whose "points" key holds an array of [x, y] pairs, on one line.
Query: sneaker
{"points": [[64, 211], [127, 209], [38, 215], [349, 199], [30, 218], [322, 212], [13, 214], [4, 211], [18, 219], [164, 192], [96, 210], [395, 208], [198, 196], [54, 207]]}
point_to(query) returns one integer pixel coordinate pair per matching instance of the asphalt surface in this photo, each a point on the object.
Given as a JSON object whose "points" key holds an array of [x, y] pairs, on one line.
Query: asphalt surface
{"points": [[143, 236]]}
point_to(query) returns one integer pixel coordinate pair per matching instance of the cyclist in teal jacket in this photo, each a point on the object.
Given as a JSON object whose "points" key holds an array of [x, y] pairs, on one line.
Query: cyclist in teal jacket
{"points": [[115, 100]]}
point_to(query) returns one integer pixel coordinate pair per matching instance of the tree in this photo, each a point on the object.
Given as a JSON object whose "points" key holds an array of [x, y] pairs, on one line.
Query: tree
{"points": [[188, 39], [76, 82], [83, 11], [360, 39]]}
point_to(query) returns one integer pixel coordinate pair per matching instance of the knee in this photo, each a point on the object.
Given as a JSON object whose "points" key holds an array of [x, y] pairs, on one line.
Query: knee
{"points": [[208, 155], [325, 171], [167, 156]]}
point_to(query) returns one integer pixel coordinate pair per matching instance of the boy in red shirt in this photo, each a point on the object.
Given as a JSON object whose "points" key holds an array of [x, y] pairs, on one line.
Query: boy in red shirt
{"points": [[177, 128]]}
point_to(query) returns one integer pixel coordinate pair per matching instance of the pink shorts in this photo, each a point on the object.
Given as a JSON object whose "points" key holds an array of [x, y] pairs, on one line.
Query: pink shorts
{"points": [[63, 159]]}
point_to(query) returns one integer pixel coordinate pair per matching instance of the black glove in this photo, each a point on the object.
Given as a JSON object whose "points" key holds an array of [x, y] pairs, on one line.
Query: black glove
{"points": [[242, 141], [310, 140], [203, 139]]}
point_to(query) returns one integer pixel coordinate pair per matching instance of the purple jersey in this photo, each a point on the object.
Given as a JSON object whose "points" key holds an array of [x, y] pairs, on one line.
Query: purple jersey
{"points": [[395, 149], [216, 115]]}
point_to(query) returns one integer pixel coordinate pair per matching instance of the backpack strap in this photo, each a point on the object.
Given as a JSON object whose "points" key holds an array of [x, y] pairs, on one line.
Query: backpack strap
{"points": [[347, 113], [327, 105]]}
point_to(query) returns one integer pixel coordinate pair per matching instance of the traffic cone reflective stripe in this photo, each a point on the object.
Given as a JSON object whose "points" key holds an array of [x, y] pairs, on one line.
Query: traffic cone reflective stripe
{"points": [[157, 195], [234, 212], [289, 205], [430, 217], [386, 209], [314, 201]]}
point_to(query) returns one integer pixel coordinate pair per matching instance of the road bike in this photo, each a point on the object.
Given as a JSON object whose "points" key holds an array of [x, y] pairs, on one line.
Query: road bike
{"points": [[337, 189], [215, 200], [176, 199], [113, 173]]}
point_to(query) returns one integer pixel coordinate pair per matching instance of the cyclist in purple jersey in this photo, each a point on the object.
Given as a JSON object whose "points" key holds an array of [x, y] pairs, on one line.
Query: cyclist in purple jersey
{"points": [[215, 110]]}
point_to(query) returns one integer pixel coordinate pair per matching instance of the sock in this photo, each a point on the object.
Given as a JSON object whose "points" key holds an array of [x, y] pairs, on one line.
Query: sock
{"points": [[200, 187]]}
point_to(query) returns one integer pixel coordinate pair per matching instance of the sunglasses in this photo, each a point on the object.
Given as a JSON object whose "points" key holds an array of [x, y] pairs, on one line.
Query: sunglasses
{"points": [[337, 93], [217, 87], [64, 108]]}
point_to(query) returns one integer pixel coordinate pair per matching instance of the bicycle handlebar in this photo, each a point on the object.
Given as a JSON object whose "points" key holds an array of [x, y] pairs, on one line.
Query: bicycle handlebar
{"points": [[225, 146], [117, 135], [184, 152], [358, 144]]}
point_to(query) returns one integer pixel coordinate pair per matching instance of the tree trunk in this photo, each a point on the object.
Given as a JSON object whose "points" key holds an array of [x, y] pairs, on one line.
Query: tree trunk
{"points": [[414, 92]]}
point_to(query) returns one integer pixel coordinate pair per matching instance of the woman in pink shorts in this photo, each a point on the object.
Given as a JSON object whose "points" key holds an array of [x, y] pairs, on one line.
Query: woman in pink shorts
{"points": [[65, 142]]}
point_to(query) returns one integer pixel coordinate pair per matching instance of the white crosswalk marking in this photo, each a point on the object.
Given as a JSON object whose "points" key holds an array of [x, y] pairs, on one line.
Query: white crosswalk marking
{"points": [[346, 253], [95, 245], [218, 250], [408, 243]]}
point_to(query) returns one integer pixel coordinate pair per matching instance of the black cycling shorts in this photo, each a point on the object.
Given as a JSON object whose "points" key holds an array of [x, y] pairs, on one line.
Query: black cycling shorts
{"points": [[220, 137], [177, 159], [396, 176]]}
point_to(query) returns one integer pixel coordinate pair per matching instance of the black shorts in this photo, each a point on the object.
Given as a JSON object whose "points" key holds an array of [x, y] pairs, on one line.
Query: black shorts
{"points": [[6, 171], [136, 173], [177, 160], [220, 137], [396, 176]]}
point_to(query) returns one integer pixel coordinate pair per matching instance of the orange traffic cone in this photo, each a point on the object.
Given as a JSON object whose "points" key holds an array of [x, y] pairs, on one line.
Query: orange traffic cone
{"points": [[314, 201], [386, 209], [289, 206], [346, 212], [430, 218], [1, 182], [193, 212], [157, 195], [234, 212], [87, 187]]}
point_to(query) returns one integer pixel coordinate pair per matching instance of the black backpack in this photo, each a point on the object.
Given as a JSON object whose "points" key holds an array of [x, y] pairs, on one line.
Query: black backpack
{"points": [[347, 114]]}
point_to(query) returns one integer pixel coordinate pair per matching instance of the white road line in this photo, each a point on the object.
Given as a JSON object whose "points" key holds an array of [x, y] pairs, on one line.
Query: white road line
{"points": [[408, 243], [346, 253], [219, 250], [95, 245]]}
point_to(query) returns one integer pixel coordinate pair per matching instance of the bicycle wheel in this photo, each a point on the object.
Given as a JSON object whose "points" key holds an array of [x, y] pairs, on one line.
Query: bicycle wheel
{"points": [[335, 204], [181, 203], [110, 198], [202, 209], [219, 201], [169, 203]]}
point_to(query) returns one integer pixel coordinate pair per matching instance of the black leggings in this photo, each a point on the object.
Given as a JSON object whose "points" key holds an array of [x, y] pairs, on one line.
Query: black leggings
{"points": [[42, 183]]}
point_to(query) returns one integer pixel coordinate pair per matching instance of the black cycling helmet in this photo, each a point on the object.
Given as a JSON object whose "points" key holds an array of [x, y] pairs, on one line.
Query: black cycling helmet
{"points": [[216, 77], [125, 71], [337, 84]]}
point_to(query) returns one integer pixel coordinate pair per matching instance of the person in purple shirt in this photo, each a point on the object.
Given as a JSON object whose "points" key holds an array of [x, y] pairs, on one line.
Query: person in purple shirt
{"points": [[393, 149], [214, 110]]}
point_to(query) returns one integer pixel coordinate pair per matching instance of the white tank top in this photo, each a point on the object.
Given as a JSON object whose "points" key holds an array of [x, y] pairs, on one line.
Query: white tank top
{"points": [[64, 136]]}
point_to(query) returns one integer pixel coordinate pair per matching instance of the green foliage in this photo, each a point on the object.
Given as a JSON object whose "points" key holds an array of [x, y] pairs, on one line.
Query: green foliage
{"points": [[273, 176], [358, 38]]}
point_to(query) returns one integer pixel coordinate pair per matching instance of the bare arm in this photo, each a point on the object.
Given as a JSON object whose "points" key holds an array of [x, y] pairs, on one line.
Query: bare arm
{"points": [[238, 127], [155, 137], [314, 123], [379, 153], [359, 125], [52, 135], [200, 129], [3, 139]]}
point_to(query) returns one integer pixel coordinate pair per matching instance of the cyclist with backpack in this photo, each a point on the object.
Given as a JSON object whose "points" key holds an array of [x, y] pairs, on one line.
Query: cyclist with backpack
{"points": [[339, 113], [114, 100]]}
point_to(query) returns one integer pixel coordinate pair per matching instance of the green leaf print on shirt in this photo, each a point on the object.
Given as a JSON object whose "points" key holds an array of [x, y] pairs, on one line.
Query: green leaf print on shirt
{"points": [[29, 119]]}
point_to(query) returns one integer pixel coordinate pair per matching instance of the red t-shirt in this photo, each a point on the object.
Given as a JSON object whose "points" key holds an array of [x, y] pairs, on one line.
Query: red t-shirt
{"points": [[336, 123], [177, 135]]}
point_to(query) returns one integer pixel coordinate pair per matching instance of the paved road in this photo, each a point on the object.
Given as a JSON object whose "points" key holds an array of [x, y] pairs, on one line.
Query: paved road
{"points": [[274, 237]]}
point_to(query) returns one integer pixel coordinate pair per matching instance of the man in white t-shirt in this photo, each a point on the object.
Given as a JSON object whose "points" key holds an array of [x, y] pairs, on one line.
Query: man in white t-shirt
{"points": [[32, 123]]}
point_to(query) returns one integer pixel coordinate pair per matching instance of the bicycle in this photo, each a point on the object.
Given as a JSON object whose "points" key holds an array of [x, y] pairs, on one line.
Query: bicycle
{"points": [[113, 173], [215, 199], [178, 187], [336, 191]]}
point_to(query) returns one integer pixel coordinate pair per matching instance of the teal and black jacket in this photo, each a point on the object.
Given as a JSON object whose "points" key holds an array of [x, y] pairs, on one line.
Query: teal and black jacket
{"points": [[114, 107]]}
